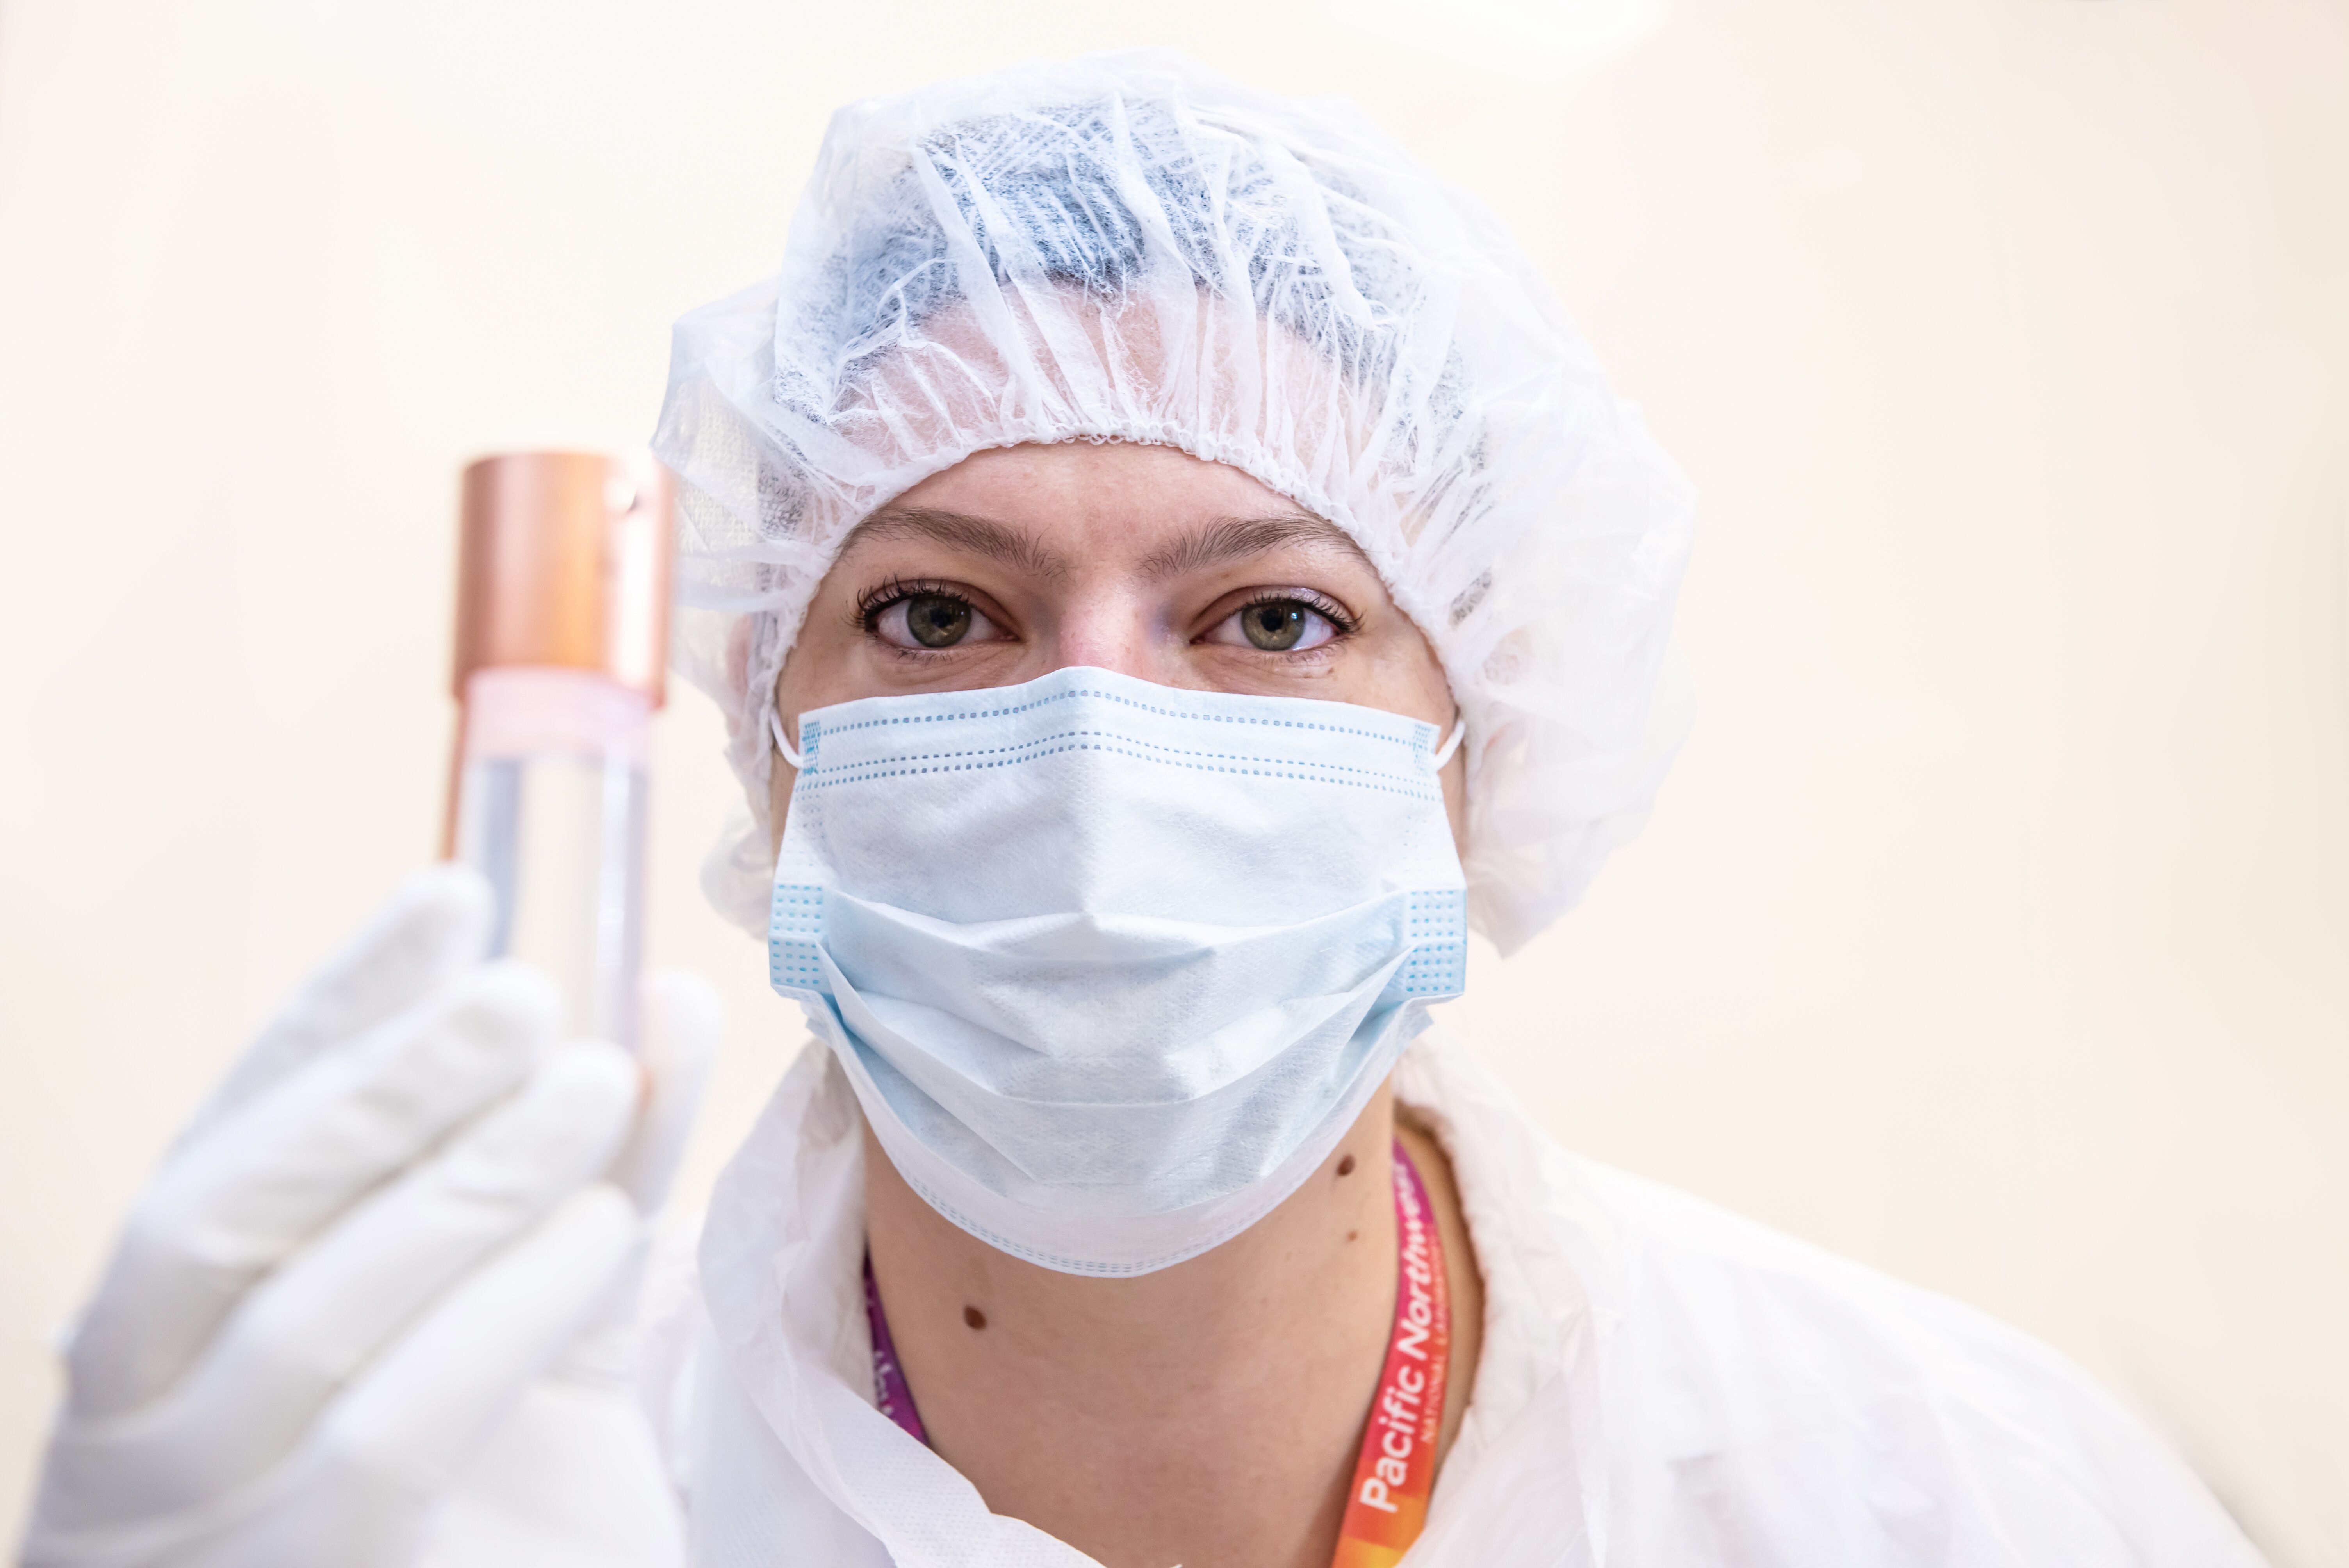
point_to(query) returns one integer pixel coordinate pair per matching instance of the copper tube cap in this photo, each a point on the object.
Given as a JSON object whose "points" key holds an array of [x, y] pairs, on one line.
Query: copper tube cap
{"points": [[563, 561]]}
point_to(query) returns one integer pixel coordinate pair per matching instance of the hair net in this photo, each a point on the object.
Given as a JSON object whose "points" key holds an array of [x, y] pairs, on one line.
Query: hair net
{"points": [[1128, 247]]}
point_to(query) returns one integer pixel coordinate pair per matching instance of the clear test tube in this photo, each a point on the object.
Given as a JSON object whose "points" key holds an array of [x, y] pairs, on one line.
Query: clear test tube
{"points": [[561, 644]]}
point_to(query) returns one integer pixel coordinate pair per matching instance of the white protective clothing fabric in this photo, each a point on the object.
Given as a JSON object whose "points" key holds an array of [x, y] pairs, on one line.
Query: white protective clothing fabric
{"points": [[1661, 1385], [1129, 247], [1112, 965], [378, 1308]]}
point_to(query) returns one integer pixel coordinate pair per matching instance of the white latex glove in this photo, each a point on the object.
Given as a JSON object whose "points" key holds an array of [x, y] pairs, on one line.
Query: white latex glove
{"points": [[377, 1308]]}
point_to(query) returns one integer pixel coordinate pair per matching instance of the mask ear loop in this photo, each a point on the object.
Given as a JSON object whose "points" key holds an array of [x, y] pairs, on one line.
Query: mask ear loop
{"points": [[775, 724], [1450, 742]]}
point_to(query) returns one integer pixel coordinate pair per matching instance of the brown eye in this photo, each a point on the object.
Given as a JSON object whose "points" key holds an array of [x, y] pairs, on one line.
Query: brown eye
{"points": [[1275, 625], [932, 621], [936, 623]]}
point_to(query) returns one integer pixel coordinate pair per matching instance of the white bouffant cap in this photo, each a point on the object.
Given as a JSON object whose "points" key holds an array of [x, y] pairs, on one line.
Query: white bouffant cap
{"points": [[1128, 247]]}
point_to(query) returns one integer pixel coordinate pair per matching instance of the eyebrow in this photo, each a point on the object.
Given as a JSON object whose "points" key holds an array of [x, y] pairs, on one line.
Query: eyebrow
{"points": [[1217, 543], [1233, 539], [960, 530]]}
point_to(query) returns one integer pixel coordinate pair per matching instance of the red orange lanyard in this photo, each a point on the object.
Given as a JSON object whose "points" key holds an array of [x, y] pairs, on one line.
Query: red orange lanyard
{"points": [[1386, 1505]]}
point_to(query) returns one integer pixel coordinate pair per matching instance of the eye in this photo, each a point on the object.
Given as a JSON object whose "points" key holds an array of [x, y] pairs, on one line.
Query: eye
{"points": [[1277, 626], [931, 621]]}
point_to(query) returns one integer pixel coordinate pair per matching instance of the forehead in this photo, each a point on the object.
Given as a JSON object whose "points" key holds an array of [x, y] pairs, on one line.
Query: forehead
{"points": [[1084, 477], [1080, 500]]}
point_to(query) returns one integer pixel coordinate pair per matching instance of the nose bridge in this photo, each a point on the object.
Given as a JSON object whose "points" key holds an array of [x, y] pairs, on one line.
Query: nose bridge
{"points": [[1112, 619]]}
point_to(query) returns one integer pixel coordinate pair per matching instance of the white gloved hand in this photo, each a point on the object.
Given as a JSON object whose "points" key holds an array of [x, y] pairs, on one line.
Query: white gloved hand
{"points": [[377, 1308]]}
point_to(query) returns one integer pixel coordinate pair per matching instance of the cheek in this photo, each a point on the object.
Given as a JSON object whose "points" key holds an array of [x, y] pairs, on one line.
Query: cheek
{"points": [[819, 658], [821, 669], [785, 704], [1400, 675], [1409, 680], [779, 803], [1456, 802]]}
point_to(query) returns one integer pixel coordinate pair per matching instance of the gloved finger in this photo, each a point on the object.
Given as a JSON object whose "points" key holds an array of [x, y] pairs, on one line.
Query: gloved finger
{"points": [[408, 1429], [677, 1043], [310, 1329], [264, 1180], [433, 928]]}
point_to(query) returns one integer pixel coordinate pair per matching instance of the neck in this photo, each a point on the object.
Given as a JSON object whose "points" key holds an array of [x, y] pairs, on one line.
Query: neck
{"points": [[1208, 1413]]}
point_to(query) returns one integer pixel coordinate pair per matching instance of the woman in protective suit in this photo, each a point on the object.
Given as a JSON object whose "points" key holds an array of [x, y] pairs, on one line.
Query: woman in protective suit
{"points": [[1170, 574]]}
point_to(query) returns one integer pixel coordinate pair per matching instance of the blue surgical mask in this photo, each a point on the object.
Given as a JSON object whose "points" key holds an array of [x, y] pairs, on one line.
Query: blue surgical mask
{"points": [[1111, 966]]}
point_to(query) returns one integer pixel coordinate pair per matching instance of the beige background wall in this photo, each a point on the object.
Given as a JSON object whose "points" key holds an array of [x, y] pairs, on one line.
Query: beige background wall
{"points": [[1995, 927]]}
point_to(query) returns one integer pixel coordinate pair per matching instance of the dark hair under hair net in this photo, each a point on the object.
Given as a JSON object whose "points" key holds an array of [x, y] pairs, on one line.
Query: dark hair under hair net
{"points": [[1128, 247]]}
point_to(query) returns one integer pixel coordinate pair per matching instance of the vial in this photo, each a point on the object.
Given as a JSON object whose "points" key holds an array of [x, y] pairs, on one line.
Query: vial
{"points": [[562, 650]]}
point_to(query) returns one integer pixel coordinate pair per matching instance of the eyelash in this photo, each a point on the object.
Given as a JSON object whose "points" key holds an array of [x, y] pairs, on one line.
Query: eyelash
{"points": [[1328, 609], [877, 599], [867, 613]]}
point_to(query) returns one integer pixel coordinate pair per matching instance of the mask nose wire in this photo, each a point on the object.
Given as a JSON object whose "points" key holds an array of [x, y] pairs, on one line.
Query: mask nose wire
{"points": [[1443, 753], [775, 723]]}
